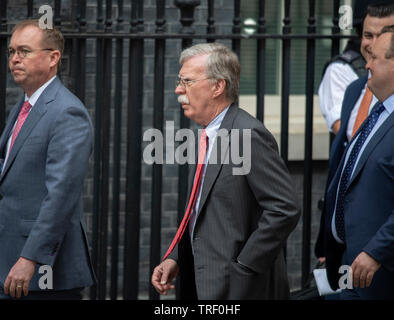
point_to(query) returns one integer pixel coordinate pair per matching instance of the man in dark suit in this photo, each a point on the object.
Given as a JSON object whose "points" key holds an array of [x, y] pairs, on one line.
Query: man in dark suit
{"points": [[233, 240], [359, 221], [358, 99], [44, 151]]}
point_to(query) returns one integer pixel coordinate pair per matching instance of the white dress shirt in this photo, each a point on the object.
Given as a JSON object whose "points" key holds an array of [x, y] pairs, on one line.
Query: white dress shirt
{"points": [[336, 79]]}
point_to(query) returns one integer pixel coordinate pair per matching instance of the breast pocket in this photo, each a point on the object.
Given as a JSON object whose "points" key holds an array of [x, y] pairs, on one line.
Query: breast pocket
{"points": [[34, 141]]}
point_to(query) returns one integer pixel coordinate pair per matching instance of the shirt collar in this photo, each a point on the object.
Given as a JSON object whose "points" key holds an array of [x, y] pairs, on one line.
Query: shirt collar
{"points": [[389, 104], [215, 124], [34, 97]]}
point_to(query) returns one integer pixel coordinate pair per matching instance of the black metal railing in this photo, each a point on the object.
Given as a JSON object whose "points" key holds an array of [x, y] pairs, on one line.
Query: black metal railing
{"points": [[117, 126]]}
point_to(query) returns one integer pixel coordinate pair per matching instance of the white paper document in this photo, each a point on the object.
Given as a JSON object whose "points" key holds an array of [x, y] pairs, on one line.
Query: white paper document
{"points": [[322, 282]]}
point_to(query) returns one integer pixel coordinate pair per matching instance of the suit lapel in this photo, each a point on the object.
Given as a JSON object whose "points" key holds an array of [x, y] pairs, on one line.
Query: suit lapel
{"points": [[34, 116], [379, 134], [10, 123], [213, 169], [39, 109]]}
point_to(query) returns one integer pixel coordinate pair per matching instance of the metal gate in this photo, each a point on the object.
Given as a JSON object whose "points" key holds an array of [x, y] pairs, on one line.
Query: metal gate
{"points": [[121, 40]]}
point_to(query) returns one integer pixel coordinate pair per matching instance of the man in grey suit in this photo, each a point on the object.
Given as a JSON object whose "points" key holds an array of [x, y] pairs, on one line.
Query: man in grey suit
{"points": [[44, 151], [233, 240]]}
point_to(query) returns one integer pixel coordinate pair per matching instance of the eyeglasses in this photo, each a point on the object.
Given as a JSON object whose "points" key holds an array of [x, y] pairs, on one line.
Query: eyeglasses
{"points": [[186, 82], [22, 53]]}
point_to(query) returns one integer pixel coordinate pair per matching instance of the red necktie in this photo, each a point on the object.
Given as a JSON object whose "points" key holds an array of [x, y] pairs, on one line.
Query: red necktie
{"points": [[193, 196], [21, 120], [362, 110]]}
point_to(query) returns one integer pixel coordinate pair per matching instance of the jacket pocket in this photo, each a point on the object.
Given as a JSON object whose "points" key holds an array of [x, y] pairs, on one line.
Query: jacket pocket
{"points": [[244, 283]]}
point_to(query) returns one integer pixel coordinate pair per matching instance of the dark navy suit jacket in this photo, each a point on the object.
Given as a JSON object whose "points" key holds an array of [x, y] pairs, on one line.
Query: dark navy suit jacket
{"points": [[369, 211], [339, 144]]}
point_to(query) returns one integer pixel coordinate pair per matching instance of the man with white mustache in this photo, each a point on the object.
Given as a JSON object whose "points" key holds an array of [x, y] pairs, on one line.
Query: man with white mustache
{"points": [[230, 242]]}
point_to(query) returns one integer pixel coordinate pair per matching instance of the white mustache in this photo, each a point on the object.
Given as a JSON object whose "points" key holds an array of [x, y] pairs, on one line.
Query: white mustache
{"points": [[183, 99]]}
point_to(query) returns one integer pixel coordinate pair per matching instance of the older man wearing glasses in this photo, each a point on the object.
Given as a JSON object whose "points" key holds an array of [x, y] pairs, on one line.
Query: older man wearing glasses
{"points": [[44, 152], [231, 239]]}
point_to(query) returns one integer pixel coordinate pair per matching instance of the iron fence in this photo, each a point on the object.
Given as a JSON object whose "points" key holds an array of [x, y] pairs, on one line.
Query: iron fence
{"points": [[112, 36]]}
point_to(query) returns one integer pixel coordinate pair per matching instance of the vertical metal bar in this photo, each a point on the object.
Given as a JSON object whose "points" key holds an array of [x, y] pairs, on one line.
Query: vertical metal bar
{"points": [[105, 104], [57, 23], [80, 53], [187, 19], [335, 44], [237, 27], [3, 63], [100, 15], [120, 19], [335, 28], [29, 9], [261, 50], [211, 19], [158, 118], [57, 18], [133, 167], [140, 17], [97, 151], [117, 142], [284, 132], [308, 164]]}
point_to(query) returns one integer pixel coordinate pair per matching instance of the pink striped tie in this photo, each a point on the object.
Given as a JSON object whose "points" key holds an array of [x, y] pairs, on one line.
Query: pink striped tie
{"points": [[193, 196], [21, 120]]}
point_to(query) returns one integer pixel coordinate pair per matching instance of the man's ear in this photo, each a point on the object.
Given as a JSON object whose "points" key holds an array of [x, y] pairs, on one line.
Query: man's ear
{"points": [[55, 57], [219, 87]]}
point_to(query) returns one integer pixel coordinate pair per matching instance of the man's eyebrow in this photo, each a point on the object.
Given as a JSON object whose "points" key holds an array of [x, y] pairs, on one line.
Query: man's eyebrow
{"points": [[23, 46]]}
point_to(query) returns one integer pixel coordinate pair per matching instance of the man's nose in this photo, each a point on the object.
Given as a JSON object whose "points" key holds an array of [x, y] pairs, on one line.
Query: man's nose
{"points": [[179, 89], [367, 66], [15, 58]]}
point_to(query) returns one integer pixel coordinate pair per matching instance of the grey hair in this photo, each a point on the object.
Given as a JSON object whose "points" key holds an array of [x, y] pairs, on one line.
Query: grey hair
{"points": [[222, 63]]}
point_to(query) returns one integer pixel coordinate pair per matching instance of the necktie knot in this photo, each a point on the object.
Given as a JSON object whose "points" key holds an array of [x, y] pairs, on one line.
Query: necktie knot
{"points": [[26, 107]]}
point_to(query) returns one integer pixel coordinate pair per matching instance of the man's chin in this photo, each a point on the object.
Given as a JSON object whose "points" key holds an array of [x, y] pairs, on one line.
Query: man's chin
{"points": [[19, 79], [187, 113]]}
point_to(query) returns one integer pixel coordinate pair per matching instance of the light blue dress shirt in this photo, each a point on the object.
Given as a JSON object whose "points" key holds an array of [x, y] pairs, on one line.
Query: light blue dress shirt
{"points": [[212, 131]]}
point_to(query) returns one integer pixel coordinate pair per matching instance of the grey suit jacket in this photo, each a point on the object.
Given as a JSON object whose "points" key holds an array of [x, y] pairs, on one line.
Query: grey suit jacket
{"points": [[41, 214], [242, 218]]}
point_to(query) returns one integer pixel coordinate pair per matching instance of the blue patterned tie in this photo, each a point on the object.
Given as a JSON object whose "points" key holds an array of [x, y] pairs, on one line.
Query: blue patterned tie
{"points": [[362, 136]]}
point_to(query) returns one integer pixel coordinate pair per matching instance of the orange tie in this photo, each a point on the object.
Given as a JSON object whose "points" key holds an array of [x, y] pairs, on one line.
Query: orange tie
{"points": [[363, 110], [196, 185]]}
